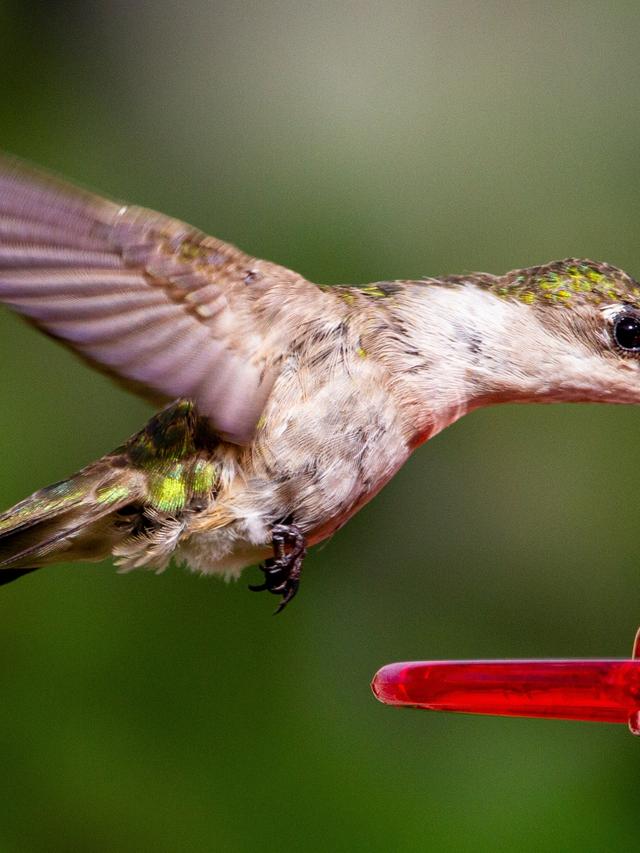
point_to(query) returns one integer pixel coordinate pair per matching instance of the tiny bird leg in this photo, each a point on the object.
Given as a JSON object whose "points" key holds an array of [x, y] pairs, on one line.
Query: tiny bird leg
{"points": [[282, 571]]}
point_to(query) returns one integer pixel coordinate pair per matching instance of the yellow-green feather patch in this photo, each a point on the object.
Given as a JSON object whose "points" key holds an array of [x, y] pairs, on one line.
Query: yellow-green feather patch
{"points": [[167, 492], [568, 283], [203, 477], [112, 494]]}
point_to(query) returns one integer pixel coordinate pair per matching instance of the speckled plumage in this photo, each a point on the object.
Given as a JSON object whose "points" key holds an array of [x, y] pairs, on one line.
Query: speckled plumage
{"points": [[571, 282], [162, 475], [297, 402]]}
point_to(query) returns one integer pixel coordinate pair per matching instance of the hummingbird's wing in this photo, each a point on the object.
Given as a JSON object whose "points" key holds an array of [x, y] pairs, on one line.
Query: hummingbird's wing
{"points": [[148, 299]]}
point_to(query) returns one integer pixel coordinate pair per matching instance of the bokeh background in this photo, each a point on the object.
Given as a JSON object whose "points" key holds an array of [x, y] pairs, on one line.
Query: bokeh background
{"points": [[353, 142]]}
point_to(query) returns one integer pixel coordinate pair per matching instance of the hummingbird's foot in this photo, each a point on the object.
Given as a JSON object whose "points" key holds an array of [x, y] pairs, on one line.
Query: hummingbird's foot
{"points": [[282, 571]]}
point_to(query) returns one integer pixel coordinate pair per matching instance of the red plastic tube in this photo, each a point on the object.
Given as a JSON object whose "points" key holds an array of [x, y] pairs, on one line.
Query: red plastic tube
{"points": [[606, 691]]}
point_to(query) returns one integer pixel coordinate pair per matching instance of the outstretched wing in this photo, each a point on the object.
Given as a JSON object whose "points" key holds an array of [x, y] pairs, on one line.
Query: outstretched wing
{"points": [[146, 298]]}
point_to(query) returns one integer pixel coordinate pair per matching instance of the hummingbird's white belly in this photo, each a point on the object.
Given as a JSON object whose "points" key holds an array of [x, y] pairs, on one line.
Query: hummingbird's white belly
{"points": [[332, 438], [319, 508], [220, 553]]}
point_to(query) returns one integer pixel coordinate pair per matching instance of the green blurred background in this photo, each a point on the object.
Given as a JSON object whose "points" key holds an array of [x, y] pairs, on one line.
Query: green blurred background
{"points": [[352, 142]]}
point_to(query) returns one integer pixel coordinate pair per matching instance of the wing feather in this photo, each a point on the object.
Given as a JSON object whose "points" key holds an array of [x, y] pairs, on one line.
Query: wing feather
{"points": [[149, 299]]}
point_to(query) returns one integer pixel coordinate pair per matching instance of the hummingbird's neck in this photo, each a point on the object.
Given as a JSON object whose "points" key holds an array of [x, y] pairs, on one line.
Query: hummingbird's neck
{"points": [[463, 347]]}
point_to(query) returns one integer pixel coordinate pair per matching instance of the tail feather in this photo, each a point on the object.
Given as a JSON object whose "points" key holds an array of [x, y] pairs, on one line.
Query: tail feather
{"points": [[58, 522], [132, 503], [9, 575]]}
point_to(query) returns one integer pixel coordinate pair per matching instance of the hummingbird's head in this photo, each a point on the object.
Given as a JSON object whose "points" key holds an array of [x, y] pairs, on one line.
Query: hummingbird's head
{"points": [[572, 332], [565, 331]]}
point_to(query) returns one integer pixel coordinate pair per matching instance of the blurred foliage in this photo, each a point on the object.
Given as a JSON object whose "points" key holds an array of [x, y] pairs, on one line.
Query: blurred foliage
{"points": [[353, 142]]}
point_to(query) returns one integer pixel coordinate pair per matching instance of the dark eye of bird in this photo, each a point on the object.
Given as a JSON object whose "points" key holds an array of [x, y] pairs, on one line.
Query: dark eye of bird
{"points": [[626, 332]]}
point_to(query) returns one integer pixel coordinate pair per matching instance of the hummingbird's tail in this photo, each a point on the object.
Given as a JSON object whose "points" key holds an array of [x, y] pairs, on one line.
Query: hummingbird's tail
{"points": [[133, 503], [72, 520]]}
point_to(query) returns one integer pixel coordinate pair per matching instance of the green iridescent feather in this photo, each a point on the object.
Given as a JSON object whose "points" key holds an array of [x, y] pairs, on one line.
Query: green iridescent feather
{"points": [[165, 470], [571, 282]]}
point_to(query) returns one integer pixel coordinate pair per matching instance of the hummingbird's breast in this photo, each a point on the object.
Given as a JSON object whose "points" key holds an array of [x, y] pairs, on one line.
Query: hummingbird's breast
{"points": [[329, 439], [332, 434]]}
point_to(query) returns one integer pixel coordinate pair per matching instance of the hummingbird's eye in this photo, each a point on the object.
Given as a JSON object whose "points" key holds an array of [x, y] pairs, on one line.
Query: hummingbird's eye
{"points": [[626, 331]]}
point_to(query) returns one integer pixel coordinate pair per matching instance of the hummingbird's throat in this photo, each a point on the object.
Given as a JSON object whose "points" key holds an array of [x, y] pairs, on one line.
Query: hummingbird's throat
{"points": [[436, 423]]}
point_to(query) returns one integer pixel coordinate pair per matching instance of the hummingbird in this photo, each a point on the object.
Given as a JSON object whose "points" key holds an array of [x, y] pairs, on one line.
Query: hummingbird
{"points": [[287, 405]]}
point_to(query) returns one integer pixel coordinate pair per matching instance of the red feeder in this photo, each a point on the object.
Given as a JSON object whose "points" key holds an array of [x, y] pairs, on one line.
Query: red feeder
{"points": [[605, 691]]}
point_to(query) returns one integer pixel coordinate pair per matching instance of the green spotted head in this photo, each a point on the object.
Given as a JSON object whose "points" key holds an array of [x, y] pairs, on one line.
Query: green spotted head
{"points": [[570, 283], [594, 304], [577, 331]]}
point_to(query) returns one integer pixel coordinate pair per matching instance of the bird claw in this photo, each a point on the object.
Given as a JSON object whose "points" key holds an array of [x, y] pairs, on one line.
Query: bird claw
{"points": [[282, 571]]}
